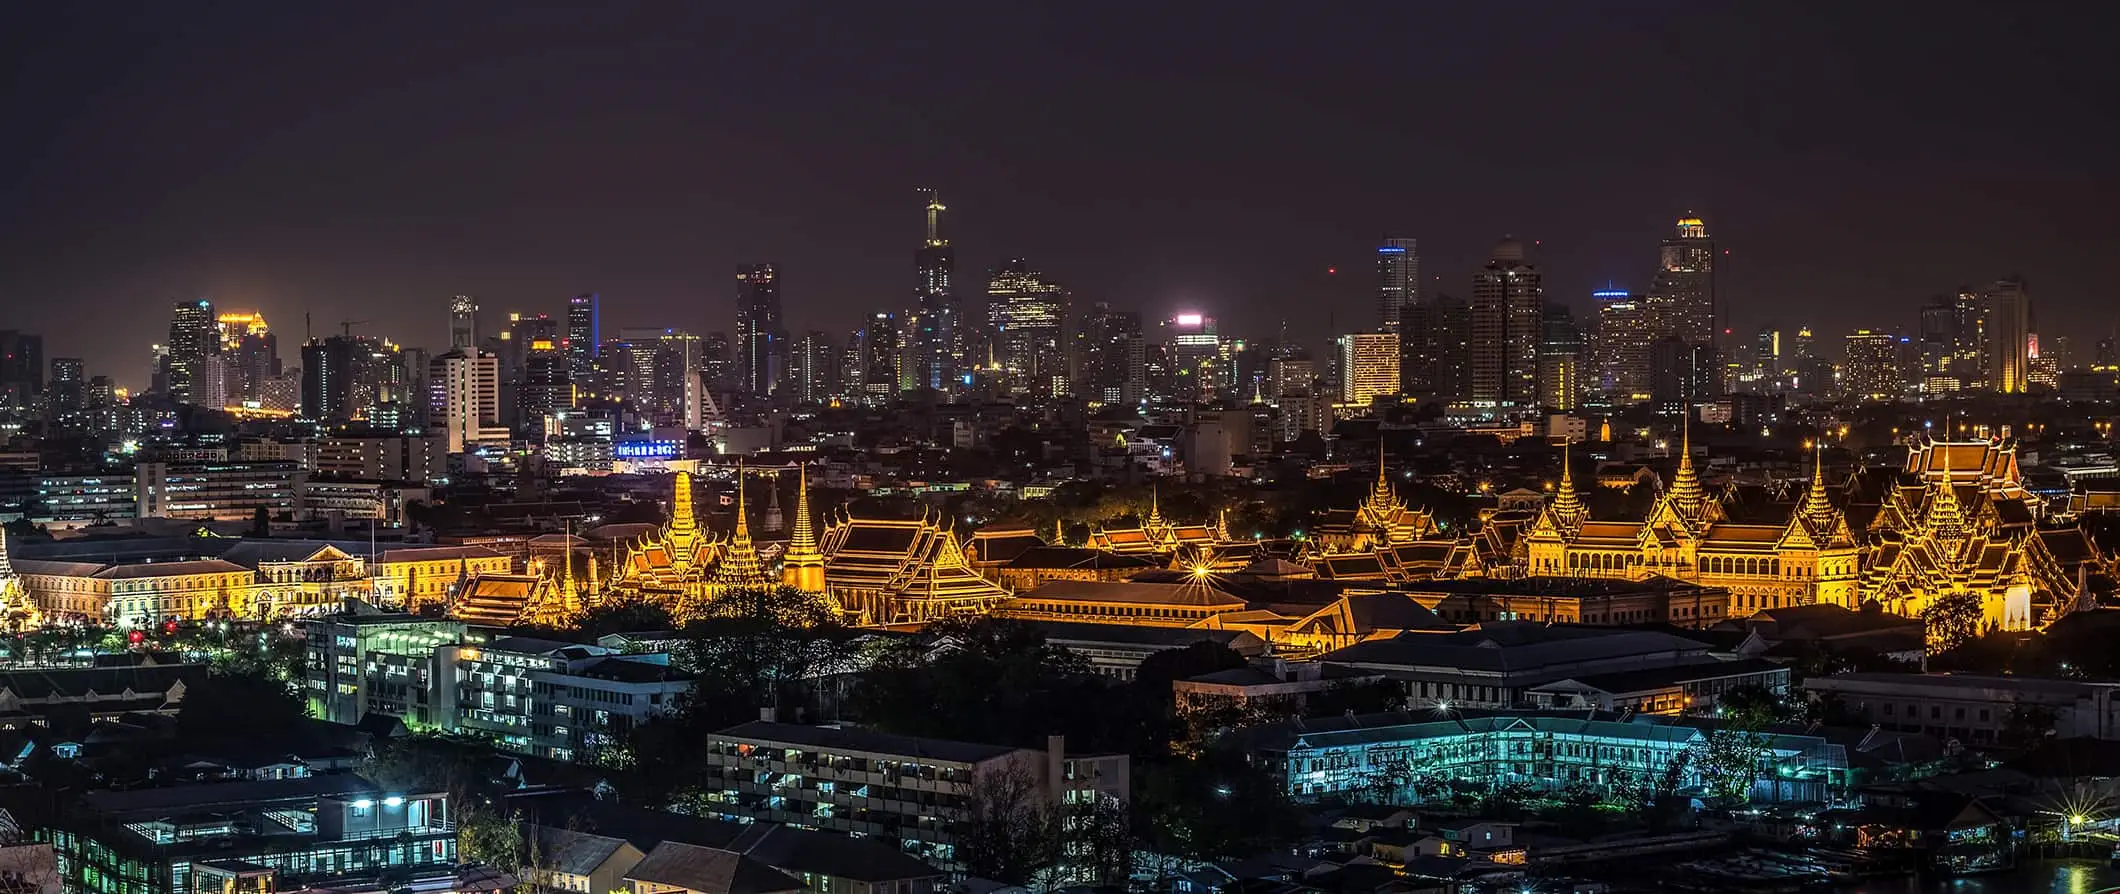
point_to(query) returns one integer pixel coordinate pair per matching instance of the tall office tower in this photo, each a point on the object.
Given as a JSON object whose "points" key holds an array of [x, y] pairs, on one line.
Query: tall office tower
{"points": [[1398, 281], [330, 368], [1766, 357], [1369, 366], [1969, 356], [1508, 303], [66, 393], [2009, 329], [1109, 344], [1620, 356], [1028, 316], [465, 399], [1937, 336], [761, 342], [715, 363], [1193, 349], [1681, 373], [1870, 367], [1441, 353], [885, 371], [1682, 299], [853, 377], [1560, 358], [682, 379], [514, 344], [813, 366], [938, 320], [544, 389], [585, 334], [463, 323], [21, 369], [193, 337]]}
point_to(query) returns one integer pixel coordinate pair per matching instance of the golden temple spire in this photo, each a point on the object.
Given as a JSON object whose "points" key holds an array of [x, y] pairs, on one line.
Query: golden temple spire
{"points": [[1382, 499], [1155, 499], [1567, 505], [803, 541], [1685, 486], [681, 520], [743, 524], [739, 565]]}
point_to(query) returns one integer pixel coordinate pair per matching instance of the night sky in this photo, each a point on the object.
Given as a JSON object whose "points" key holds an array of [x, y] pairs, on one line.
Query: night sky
{"points": [[366, 161]]}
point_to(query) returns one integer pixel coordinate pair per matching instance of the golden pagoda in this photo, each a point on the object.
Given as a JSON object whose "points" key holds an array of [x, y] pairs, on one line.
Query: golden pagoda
{"points": [[802, 567], [900, 571], [682, 567], [17, 610], [1382, 521], [1154, 535]]}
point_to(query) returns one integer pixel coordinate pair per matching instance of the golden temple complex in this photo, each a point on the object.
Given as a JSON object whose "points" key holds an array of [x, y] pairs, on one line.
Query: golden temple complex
{"points": [[682, 566], [902, 571]]}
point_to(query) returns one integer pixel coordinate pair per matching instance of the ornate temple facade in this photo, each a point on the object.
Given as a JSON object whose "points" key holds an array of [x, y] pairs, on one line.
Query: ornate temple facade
{"points": [[902, 571], [1956, 520], [17, 610], [683, 567], [1959, 521], [1810, 557]]}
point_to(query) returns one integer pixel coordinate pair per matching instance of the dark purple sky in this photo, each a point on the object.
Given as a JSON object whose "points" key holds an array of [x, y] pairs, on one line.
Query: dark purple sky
{"points": [[368, 160]]}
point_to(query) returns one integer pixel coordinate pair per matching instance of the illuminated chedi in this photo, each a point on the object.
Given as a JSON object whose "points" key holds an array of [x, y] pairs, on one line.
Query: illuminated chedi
{"points": [[1809, 558], [802, 566], [17, 610], [1964, 525], [682, 567]]}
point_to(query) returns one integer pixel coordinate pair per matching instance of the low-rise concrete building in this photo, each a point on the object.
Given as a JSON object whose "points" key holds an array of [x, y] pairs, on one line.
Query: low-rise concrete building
{"points": [[1974, 708]]}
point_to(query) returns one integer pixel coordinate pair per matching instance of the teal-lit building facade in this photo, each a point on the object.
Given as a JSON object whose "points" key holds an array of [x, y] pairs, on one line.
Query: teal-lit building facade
{"points": [[1406, 757]]}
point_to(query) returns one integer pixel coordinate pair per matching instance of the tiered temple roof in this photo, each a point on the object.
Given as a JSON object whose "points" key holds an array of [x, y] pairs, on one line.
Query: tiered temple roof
{"points": [[893, 571]]}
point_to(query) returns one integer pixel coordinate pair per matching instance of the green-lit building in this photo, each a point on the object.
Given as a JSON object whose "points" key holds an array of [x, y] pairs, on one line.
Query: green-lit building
{"points": [[289, 833], [1403, 756]]}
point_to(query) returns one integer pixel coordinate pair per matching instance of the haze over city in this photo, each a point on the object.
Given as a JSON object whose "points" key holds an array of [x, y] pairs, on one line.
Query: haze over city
{"points": [[364, 164]]}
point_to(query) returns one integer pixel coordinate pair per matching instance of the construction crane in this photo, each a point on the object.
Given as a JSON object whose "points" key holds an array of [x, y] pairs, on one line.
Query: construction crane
{"points": [[346, 326]]}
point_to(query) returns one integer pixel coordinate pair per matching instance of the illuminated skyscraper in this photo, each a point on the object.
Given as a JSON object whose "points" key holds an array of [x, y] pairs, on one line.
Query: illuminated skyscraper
{"points": [[1620, 364], [1369, 366], [585, 335], [937, 319], [1508, 306], [1398, 281], [1192, 350], [194, 336], [1112, 355], [1682, 299], [1870, 368], [813, 368], [885, 370], [464, 402], [1028, 316], [761, 342], [1560, 359], [463, 323], [2009, 327]]}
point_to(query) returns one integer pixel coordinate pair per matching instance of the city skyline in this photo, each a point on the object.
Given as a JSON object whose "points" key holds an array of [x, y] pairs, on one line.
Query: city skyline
{"points": [[327, 213]]}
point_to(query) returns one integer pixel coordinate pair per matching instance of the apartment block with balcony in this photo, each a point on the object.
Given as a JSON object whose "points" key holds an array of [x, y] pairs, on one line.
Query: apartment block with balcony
{"points": [[866, 783]]}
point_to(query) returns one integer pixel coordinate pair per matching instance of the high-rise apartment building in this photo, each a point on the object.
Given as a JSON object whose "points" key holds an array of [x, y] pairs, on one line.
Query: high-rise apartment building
{"points": [[1028, 317], [1369, 366], [1620, 364], [1560, 358], [813, 368], [937, 320], [585, 335], [193, 337], [1870, 367], [885, 369], [252, 355], [761, 340], [544, 388], [1113, 362], [1192, 349], [1508, 307], [465, 399], [463, 323], [1682, 299], [1435, 349], [1398, 281], [2009, 329]]}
